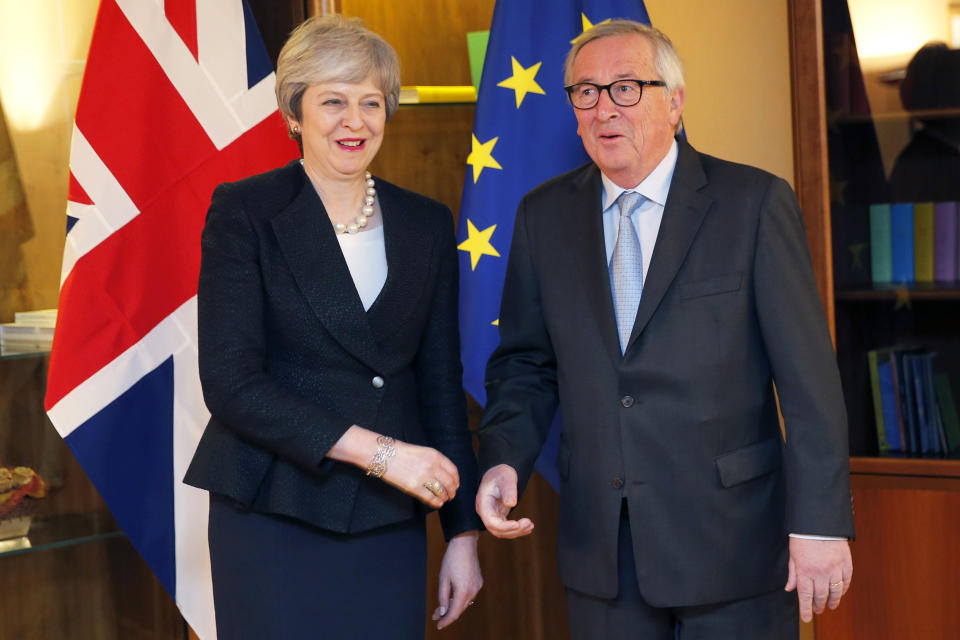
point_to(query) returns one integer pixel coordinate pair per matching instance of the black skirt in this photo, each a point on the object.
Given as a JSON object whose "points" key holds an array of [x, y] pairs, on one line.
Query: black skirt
{"points": [[275, 577]]}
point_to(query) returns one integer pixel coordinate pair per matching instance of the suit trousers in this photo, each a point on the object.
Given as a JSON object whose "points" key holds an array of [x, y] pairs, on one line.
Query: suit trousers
{"points": [[768, 616]]}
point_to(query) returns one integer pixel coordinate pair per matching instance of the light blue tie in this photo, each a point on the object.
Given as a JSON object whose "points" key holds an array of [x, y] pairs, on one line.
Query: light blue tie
{"points": [[626, 269]]}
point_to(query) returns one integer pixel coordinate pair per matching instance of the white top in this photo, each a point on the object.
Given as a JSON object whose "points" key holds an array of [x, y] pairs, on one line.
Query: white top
{"points": [[646, 217], [366, 256]]}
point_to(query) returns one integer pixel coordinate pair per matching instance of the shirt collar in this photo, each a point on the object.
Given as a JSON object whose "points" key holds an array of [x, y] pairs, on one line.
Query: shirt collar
{"points": [[654, 187]]}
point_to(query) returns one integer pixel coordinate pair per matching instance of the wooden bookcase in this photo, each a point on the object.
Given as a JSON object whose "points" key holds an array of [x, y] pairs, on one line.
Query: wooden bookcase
{"points": [[907, 510]]}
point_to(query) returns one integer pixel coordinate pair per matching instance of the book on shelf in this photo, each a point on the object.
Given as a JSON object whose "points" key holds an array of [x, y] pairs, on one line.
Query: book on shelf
{"points": [[948, 411], [881, 261], [895, 374], [884, 404], [39, 318], [945, 241], [910, 242], [913, 405], [923, 394], [10, 332], [923, 241], [901, 241], [20, 348], [23, 338]]}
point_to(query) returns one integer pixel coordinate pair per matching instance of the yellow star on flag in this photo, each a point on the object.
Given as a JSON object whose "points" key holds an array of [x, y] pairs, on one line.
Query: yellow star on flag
{"points": [[478, 243], [496, 322], [523, 81], [587, 25], [481, 156]]}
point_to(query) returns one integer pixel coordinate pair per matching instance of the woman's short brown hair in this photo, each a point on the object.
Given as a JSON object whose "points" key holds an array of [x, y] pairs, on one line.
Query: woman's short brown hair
{"points": [[332, 48]]}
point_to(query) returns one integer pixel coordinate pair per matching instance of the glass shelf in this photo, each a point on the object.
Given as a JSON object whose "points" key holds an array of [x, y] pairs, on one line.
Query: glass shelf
{"points": [[25, 354], [57, 532]]}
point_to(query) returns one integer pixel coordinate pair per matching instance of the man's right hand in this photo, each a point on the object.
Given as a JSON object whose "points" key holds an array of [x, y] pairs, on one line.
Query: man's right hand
{"points": [[495, 497]]}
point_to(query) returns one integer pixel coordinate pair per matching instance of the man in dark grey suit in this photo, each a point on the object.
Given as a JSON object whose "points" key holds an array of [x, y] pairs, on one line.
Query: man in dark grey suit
{"points": [[657, 294]]}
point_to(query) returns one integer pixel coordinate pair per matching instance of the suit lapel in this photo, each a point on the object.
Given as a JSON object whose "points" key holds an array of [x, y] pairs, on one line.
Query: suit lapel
{"points": [[310, 247], [682, 216], [586, 227], [409, 247]]}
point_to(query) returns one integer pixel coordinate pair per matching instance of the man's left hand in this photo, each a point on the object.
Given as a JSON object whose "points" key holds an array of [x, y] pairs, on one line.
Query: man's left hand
{"points": [[820, 571]]}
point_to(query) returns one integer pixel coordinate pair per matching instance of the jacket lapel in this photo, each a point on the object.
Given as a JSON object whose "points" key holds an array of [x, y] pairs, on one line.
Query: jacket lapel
{"points": [[682, 216], [586, 226], [310, 247], [410, 247]]}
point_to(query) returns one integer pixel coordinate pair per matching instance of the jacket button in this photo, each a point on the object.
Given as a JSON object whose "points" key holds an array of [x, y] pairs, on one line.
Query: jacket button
{"points": [[377, 382], [617, 483], [627, 401]]}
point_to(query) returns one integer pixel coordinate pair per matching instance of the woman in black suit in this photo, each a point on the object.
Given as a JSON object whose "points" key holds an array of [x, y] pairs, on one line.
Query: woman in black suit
{"points": [[329, 360]]}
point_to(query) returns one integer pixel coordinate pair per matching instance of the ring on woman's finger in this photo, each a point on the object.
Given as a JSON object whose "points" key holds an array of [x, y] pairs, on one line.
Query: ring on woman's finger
{"points": [[836, 585], [435, 488]]}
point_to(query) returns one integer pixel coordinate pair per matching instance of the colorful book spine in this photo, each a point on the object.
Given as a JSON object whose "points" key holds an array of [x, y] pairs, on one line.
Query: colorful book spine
{"points": [[945, 241], [895, 373], [901, 241], [948, 410], [923, 241], [881, 261], [908, 403], [873, 360]]}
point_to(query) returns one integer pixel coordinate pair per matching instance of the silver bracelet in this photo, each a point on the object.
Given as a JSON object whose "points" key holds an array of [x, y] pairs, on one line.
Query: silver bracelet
{"points": [[378, 464]]}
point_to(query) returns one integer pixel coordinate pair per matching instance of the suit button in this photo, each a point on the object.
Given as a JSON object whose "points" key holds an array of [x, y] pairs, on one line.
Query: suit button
{"points": [[377, 382], [627, 401], [617, 483]]}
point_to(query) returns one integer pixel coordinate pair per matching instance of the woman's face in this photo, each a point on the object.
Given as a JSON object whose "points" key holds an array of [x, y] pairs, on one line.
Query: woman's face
{"points": [[342, 127]]}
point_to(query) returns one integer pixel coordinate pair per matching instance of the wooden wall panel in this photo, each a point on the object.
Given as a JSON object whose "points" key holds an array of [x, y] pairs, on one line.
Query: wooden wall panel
{"points": [[101, 590], [906, 562], [429, 35], [425, 149]]}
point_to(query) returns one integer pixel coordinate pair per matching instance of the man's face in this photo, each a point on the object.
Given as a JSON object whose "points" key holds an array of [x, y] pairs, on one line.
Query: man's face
{"points": [[625, 142]]}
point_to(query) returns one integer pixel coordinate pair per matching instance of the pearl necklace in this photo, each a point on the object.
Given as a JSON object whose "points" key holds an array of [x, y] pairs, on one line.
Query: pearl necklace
{"points": [[369, 198]]}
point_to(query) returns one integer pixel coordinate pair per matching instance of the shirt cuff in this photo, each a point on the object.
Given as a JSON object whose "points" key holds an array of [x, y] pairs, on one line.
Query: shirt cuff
{"points": [[805, 536]]}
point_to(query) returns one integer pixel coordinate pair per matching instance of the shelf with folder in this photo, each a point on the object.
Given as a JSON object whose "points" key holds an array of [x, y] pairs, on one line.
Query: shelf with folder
{"points": [[63, 530]]}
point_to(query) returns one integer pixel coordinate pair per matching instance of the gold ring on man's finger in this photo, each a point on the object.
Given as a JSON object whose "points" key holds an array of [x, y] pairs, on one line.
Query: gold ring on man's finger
{"points": [[836, 585], [435, 488]]}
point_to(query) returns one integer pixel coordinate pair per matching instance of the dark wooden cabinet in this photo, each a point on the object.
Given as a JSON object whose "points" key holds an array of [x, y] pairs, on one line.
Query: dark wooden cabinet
{"points": [[906, 555]]}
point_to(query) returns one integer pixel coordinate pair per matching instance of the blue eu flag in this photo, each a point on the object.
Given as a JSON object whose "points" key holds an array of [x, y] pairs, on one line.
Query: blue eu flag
{"points": [[524, 133]]}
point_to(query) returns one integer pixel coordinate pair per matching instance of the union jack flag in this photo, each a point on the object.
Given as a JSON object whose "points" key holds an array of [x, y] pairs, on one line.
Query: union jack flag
{"points": [[177, 97]]}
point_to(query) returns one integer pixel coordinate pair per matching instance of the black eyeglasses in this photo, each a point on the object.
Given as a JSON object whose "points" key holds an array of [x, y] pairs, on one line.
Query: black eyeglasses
{"points": [[625, 93]]}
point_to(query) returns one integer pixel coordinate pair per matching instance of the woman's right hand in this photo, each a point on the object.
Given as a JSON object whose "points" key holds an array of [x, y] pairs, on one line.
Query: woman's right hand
{"points": [[411, 468], [414, 467]]}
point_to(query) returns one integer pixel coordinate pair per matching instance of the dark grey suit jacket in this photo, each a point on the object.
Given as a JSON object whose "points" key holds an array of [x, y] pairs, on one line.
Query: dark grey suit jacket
{"points": [[288, 356], [684, 425]]}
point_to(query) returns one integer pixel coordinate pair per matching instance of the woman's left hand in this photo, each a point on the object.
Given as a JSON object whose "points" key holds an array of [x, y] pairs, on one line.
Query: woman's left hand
{"points": [[460, 578]]}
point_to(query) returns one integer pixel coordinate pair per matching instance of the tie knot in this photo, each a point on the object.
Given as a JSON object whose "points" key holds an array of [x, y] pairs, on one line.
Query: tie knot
{"points": [[628, 201]]}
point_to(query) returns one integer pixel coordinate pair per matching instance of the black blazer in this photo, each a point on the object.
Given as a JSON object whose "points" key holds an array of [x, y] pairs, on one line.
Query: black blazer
{"points": [[289, 359], [684, 425]]}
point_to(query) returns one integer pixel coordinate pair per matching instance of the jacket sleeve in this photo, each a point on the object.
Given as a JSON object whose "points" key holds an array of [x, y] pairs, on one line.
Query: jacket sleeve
{"points": [[798, 345], [440, 388], [521, 376], [232, 344]]}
